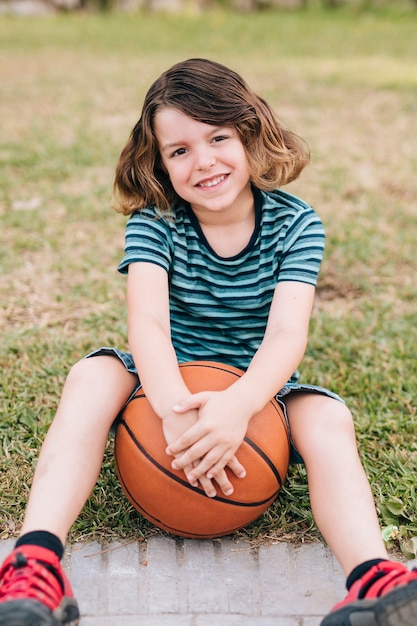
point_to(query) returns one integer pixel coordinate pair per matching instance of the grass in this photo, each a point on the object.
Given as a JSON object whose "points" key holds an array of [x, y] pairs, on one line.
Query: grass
{"points": [[71, 91]]}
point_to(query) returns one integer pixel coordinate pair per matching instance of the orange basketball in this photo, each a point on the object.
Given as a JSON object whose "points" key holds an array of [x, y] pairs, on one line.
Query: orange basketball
{"points": [[165, 497]]}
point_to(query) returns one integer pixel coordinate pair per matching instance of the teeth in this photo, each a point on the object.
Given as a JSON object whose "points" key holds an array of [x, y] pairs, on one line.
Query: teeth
{"points": [[213, 182]]}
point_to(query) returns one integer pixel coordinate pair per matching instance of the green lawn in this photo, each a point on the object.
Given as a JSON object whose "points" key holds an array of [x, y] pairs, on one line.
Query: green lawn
{"points": [[72, 88]]}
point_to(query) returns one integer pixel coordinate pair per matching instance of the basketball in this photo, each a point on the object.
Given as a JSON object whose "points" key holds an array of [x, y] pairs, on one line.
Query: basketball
{"points": [[165, 497]]}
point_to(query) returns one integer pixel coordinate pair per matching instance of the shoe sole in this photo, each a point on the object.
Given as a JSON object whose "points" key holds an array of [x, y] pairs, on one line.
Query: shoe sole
{"points": [[33, 613], [398, 608], [358, 613]]}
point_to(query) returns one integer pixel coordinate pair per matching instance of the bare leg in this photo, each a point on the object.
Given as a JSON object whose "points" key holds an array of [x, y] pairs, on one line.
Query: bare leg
{"points": [[341, 499], [72, 453]]}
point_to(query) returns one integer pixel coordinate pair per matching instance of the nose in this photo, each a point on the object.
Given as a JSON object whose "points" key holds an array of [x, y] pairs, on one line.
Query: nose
{"points": [[204, 159]]}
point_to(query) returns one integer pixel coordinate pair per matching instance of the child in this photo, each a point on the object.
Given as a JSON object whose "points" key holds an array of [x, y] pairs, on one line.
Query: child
{"points": [[221, 266]]}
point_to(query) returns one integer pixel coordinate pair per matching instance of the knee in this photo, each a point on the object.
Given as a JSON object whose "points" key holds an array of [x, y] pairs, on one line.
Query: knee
{"points": [[83, 372], [98, 371], [323, 422], [335, 415]]}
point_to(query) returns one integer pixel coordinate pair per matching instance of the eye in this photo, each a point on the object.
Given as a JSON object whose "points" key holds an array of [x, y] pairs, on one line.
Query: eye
{"points": [[178, 152], [219, 138]]}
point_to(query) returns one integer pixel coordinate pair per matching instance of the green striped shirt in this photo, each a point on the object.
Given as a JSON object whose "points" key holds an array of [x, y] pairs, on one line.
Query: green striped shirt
{"points": [[219, 306]]}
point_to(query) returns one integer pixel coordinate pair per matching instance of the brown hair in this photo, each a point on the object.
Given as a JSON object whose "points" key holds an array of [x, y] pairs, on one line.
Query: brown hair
{"points": [[213, 94]]}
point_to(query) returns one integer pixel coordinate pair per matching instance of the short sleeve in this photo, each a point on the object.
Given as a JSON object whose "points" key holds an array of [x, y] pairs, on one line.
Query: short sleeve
{"points": [[303, 248], [147, 239]]}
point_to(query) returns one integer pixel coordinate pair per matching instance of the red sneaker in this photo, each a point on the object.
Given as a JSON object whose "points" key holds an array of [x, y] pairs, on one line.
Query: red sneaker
{"points": [[34, 590], [384, 596]]}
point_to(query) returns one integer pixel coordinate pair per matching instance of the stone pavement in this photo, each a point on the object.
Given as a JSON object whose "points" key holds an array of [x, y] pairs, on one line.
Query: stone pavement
{"points": [[188, 582]]}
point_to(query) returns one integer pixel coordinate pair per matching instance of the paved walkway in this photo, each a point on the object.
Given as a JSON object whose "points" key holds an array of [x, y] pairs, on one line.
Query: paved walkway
{"points": [[187, 582]]}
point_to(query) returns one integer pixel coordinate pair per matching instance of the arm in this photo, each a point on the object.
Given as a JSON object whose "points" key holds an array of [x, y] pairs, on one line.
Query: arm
{"points": [[283, 346], [156, 361], [150, 337], [224, 416]]}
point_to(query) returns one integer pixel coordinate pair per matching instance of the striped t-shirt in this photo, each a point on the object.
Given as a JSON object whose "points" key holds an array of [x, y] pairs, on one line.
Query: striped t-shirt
{"points": [[219, 306]]}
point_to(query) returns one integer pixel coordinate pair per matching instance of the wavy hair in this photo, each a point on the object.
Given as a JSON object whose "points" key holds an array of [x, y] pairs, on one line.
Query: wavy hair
{"points": [[213, 94]]}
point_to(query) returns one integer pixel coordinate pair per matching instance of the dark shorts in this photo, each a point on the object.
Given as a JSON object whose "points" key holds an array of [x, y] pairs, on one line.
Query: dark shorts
{"points": [[289, 389]]}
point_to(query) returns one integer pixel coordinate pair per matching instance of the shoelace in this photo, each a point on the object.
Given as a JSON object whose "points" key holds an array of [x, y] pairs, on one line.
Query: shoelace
{"points": [[386, 579], [28, 578]]}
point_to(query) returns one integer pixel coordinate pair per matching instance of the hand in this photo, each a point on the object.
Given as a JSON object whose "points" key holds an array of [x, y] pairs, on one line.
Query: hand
{"points": [[174, 427], [211, 442]]}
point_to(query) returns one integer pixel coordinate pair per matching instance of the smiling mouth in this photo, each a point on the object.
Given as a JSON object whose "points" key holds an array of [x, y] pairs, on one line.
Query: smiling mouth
{"points": [[212, 182]]}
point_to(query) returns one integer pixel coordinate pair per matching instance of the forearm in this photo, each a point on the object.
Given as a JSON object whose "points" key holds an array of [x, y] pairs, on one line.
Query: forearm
{"points": [[283, 345], [271, 367], [157, 365], [150, 337]]}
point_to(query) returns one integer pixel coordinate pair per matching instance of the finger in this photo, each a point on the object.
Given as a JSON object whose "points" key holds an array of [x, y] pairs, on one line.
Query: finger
{"points": [[236, 467], [194, 401], [205, 483], [231, 462], [214, 458], [187, 470], [208, 487], [184, 443], [203, 447], [224, 483]]}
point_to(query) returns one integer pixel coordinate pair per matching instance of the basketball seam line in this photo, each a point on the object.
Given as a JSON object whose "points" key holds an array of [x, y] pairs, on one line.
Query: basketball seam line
{"points": [[266, 458]]}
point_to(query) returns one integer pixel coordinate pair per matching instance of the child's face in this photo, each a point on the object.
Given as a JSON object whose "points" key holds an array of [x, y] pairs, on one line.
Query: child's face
{"points": [[207, 165]]}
